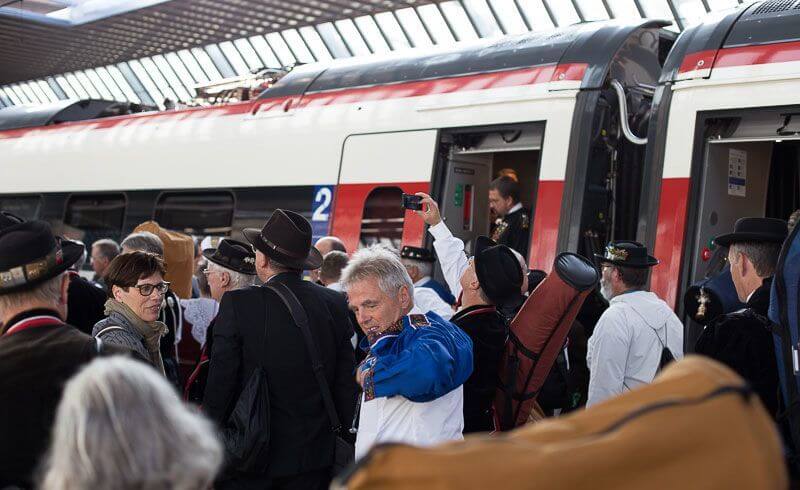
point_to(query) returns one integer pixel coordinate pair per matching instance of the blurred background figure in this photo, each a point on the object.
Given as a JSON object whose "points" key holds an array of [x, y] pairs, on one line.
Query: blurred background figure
{"points": [[428, 294], [85, 299], [120, 425], [331, 269], [324, 245], [103, 252]]}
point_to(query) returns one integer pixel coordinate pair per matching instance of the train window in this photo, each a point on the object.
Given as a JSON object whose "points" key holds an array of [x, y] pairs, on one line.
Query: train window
{"points": [[383, 217], [26, 207], [90, 217], [197, 213]]}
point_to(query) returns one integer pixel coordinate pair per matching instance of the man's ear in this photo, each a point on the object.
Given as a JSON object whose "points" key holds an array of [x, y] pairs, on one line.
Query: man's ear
{"points": [[405, 297], [65, 279], [226, 278]]}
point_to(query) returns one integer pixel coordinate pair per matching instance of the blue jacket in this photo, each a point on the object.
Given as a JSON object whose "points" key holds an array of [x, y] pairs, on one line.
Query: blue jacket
{"points": [[424, 358]]}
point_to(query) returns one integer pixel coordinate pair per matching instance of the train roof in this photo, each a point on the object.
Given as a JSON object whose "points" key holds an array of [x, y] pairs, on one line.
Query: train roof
{"points": [[760, 24], [592, 43], [28, 116]]}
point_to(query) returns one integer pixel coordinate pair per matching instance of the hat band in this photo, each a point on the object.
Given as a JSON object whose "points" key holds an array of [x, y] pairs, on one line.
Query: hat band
{"points": [[27, 273], [280, 249]]}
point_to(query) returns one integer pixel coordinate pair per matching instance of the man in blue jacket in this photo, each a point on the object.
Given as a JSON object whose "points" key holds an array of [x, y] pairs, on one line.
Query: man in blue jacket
{"points": [[417, 363]]}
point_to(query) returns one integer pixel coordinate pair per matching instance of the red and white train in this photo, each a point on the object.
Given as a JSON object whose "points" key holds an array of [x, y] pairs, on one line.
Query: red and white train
{"points": [[617, 130]]}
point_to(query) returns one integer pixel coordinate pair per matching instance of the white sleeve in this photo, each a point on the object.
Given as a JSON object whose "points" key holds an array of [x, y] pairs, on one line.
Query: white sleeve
{"points": [[607, 357], [452, 258], [426, 299]]}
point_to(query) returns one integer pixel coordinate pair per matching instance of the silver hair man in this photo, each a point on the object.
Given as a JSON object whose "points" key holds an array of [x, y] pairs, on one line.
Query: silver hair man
{"points": [[380, 263], [50, 294], [121, 425], [236, 280], [144, 241]]}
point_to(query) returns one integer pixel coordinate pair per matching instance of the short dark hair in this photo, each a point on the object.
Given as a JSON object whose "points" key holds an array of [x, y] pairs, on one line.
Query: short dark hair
{"points": [[763, 255], [332, 265], [107, 247], [506, 187], [126, 269], [633, 277]]}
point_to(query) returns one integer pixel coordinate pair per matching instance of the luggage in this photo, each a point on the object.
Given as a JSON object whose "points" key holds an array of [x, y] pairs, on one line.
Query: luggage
{"points": [[178, 255], [697, 425], [537, 335], [783, 312]]}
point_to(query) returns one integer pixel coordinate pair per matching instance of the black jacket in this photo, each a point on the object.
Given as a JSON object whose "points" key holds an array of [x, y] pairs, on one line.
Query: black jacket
{"points": [[35, 364], [488, 333], [514, 230], [85, 304], [743, 341], [301, 439]]}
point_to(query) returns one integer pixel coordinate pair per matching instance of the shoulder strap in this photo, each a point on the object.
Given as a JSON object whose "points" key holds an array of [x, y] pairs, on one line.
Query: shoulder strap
{"points": [[109, 329], [301, 319]]}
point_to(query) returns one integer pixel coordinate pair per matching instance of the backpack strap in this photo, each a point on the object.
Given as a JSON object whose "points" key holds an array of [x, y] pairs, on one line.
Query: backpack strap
{"points": [[112, 328]]}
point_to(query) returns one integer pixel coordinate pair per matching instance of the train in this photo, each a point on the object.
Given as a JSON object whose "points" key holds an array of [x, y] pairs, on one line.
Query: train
{"points": [[616, 129]]}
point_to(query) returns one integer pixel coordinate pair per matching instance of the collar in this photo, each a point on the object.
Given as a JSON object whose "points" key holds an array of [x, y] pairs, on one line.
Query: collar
{"points": [[47, 315], [516, 207], [422, 281], [473, 310], [374, 335], [750, 296]]}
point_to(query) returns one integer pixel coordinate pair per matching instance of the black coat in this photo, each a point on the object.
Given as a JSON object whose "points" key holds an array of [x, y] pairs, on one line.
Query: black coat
{"points": [[85, 304], [301, 439], [514, 230], [743, 340], [488, 333], [35, 364]]}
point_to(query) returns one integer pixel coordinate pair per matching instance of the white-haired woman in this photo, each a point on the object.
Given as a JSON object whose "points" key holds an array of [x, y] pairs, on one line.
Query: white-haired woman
{"points": [[121, 425]]}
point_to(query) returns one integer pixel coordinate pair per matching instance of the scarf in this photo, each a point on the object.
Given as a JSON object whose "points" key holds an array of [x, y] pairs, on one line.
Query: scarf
{"points": [[151, 332]]}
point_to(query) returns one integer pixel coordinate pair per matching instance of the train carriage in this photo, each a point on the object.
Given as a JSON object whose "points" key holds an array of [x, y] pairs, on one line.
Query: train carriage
{"points": [[341, 142]]}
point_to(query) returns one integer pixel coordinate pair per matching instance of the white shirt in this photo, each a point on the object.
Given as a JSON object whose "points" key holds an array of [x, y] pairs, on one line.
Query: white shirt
{"points": [[515, 207], [452, 258], [426, 299], [397, 419], [625, 349], [336, 286]]}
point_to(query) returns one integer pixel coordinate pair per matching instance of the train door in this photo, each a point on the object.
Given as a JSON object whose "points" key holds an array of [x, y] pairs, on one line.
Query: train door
{"points": [[376, 169], [470, 158]]}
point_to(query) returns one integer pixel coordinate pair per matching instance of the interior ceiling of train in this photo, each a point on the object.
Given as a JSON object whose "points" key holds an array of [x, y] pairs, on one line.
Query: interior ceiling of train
{"points": [[157, 51]]}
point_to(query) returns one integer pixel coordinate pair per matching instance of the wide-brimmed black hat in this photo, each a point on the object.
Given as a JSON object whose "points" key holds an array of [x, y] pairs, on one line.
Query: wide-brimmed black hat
{"points": [[30, 254], [417, 253], [627, 254], [755, 230], [286, 237], [234, 255], [9, 219], [498, 270]]}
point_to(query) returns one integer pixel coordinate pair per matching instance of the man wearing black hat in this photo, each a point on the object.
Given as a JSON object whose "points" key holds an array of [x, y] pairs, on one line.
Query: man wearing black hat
{"points": [[38, 351], [419, 265], [254, 328], [631, 340], [488, 284], [743, 339]]}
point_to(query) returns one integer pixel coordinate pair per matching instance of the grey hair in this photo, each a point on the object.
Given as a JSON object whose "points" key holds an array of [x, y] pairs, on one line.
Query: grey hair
{"points": [[48, 292], [424, 268], [764, 256], [144, 241], [380, 263], [121, 425], [238, 280], [107, 247]]}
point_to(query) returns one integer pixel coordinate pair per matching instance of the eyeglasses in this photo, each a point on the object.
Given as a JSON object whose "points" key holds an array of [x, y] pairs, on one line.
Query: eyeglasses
{"points": [[147, 289]]}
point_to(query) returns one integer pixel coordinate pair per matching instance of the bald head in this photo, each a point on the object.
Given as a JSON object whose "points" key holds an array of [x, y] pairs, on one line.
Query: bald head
{"points": [[328, 244]]}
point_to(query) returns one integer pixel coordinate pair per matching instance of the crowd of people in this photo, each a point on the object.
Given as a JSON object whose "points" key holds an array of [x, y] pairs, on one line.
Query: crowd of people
{"points": [[292, 356]]}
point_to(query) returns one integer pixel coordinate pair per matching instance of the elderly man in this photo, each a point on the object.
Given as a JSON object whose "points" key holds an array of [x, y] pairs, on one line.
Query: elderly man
{"points": [[627, 348], [38, 351], [325, 245], [743, 339], [255, 328], [419, 265], [103, 252], [231, 266], [413, 376]]}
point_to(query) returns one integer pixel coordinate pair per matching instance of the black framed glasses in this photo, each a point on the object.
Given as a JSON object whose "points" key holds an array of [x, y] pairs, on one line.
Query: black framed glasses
{"points": [[147, 289]]}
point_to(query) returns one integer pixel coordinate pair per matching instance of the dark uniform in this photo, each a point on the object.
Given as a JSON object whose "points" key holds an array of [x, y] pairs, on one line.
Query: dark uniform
{"points": [[743, 341], [488, 333], [514, 231]]}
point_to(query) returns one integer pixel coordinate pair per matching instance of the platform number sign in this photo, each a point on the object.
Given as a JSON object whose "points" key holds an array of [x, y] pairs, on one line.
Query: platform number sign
{"points": [[321, 210]]}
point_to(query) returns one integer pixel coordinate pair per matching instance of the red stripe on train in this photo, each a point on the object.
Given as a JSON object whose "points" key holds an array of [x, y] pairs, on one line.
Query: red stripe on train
{"points": [[546, 216], [670, 236], [741, 56]]}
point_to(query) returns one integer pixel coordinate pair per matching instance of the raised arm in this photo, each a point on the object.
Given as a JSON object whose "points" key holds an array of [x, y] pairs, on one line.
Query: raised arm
{"points": [[449, 249]]}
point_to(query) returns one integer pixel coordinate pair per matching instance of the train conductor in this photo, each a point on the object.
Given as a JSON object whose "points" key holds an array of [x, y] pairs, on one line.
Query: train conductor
{"points": [[512, 226]]}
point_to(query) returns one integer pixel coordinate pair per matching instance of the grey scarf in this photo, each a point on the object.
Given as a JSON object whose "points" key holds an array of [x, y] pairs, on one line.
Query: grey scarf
{"points": [[151, 332]]}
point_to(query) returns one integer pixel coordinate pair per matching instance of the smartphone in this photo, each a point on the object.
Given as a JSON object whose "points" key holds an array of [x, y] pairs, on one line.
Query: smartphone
{"points": [[410, 201]]}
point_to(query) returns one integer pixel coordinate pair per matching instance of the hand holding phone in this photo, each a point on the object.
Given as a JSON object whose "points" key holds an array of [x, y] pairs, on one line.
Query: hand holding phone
{"points": [[410, 201]]}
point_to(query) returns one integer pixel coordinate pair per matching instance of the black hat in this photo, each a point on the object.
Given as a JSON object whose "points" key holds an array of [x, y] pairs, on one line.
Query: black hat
{"points": [[498, 270], [627, 254], [417, 253], [755, 230], [234, 255], [286, 238], [7, 219], [30, 254]]}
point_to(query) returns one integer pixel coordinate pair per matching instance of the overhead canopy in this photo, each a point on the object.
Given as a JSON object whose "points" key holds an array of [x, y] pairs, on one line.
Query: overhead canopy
{"points": [[62, 111], [35, 46]]}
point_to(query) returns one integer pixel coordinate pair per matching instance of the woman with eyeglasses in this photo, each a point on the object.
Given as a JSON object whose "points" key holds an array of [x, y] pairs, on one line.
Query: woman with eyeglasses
{"points": [[136, 289]]}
